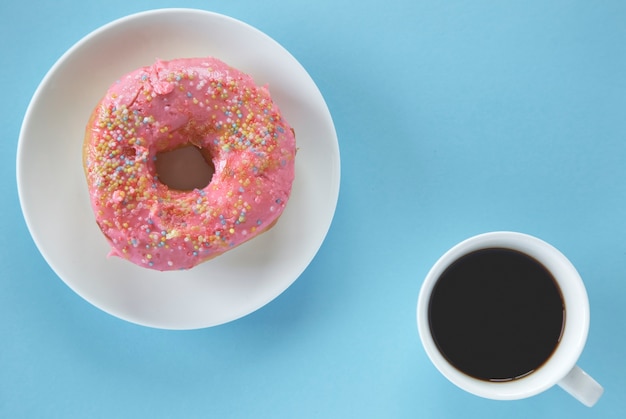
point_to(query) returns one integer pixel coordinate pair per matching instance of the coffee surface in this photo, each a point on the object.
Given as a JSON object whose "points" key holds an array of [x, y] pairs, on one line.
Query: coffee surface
{"points": [[496, 314]]}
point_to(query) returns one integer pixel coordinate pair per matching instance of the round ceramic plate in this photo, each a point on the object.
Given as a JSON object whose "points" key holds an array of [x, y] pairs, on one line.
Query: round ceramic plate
{"points": [[53, 191]]}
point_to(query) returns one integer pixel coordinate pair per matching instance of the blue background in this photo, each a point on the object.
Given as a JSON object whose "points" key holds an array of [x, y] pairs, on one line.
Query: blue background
{"points": [[453, 117]]}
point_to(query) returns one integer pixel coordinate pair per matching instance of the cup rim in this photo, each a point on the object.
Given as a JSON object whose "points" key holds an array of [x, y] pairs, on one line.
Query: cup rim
{"points": [[575, 330]]}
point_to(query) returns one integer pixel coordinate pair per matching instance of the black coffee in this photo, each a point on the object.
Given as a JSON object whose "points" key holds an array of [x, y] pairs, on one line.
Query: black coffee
{"points": [[496, 314]]}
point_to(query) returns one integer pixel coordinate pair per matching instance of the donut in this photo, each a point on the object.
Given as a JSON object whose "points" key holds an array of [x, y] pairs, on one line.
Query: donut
{"points": [[189, 102]]}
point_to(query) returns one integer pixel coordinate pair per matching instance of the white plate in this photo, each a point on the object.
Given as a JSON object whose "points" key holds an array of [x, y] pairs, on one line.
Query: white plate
{"points": [[53, 191]]}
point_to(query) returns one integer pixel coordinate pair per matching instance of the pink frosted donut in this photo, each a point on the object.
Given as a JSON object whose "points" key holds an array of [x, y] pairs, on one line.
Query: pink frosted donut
{"points": [[201, 102]]}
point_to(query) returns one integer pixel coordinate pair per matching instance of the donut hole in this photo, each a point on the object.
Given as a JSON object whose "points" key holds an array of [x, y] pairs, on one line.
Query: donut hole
{"points": [[185, 168]]}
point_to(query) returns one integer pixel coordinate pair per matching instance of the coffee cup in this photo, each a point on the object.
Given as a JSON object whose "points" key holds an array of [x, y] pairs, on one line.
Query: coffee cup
{"points": [[505, 315]]}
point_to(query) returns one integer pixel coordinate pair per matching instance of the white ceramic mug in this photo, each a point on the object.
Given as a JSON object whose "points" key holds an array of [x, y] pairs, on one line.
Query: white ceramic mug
{"points": [[560, 368]]}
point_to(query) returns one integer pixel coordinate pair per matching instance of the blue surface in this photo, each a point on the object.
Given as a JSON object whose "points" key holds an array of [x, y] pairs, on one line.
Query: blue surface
{"points": [[454, 118]]}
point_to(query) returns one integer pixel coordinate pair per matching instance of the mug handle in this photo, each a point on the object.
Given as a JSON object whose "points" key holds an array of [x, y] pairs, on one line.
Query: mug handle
{"points": [[580, 385]]}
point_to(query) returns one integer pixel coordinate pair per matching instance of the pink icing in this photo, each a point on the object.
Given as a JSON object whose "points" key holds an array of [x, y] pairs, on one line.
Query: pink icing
{"points": [[199, 101]]}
